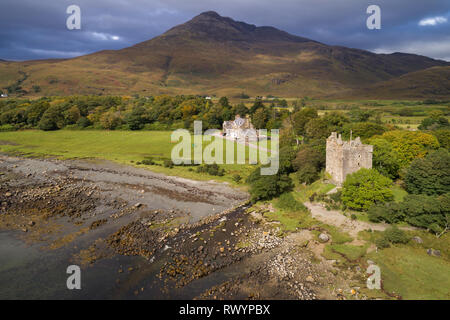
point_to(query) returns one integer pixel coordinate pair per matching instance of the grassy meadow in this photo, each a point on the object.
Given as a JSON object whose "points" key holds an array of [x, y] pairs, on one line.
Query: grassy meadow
{"points": [[125, 147]]}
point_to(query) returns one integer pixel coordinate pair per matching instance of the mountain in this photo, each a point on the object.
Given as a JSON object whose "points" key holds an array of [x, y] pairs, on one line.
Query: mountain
{"points": [[211, 54], [432, 82]]}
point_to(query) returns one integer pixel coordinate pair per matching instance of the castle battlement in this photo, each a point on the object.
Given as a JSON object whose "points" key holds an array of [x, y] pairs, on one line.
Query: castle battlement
{"points": [[345, 157]]}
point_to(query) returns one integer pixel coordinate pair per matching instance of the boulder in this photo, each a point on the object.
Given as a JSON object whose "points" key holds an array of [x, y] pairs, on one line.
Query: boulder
{"points": [[432, 252], [324, 237], [417, 239]]}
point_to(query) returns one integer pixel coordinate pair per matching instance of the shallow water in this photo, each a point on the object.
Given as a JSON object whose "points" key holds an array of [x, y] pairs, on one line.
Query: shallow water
{"points": [[28, 271]]}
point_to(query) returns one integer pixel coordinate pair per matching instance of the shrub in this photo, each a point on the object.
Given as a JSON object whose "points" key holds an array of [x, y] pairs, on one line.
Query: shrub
{"points": [[418, 210], [430, 175], [336, 197], [364, 188], [7, 127], [382, 243], [268, 187], [377, 213], [236, 178], [168, 163], [395, 235], [83, 122], [353, 216], [148, 162], [307, 174], [212, 169]]}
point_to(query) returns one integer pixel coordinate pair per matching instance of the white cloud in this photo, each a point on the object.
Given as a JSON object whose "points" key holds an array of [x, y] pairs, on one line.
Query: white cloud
{"points": [[104, 36], [432, 21]]}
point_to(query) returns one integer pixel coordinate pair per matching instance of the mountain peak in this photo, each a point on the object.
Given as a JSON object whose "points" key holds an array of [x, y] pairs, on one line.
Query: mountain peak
{"points": [[212, 26], [212, 14]]}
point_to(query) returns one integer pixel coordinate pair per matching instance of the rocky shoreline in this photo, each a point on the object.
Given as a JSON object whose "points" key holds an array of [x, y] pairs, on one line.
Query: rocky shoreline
{"points": [[195, 232]]}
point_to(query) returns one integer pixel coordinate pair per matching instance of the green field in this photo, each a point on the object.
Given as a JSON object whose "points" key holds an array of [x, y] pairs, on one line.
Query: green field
{"points": [[126, 147]]}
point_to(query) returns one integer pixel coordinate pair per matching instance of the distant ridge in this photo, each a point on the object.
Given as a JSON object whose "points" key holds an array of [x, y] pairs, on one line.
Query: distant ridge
{"points": [[211, 54]]}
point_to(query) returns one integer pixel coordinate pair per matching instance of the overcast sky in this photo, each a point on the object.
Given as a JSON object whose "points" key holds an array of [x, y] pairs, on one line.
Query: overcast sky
{"points": [[36, 29]]}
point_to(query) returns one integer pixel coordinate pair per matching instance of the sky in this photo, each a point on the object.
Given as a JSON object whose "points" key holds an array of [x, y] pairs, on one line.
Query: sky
{"points": [[31, 29]]}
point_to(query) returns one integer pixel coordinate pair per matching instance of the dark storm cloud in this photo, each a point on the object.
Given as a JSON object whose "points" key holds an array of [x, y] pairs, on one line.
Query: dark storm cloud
{"points": [[31, 29]]}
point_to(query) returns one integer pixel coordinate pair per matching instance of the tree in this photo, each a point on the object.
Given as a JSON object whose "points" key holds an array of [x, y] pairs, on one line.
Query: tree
{"points": [[258, 104], [434, 123], [308, 163], [385, 158], [364, 130], [52, 119], [72, 115], [286, 157], [268, 187], [302, 117], [240, 109], [260, 118], [410, 144], [335, 121], [83, 122], [443, 136], [223, 102], [110, 120], [135, 119], [317, 129], [307, 174], [364, 188], [430, 175], [35, 112], [358, 115]]}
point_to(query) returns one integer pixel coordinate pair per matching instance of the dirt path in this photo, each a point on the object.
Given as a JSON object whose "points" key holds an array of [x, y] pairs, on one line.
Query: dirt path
{"points": [[337, 219]]}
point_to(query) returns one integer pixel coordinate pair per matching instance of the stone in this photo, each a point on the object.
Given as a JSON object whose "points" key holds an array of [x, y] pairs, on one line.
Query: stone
{"points": [[8, 194], [200, 249], [417, 239], [323, 237], [309, 279], [31, 223], [432, 252]]}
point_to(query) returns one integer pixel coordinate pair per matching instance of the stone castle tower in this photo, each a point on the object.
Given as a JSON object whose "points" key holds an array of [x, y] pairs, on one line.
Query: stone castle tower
{"points": [[345, 157]]}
